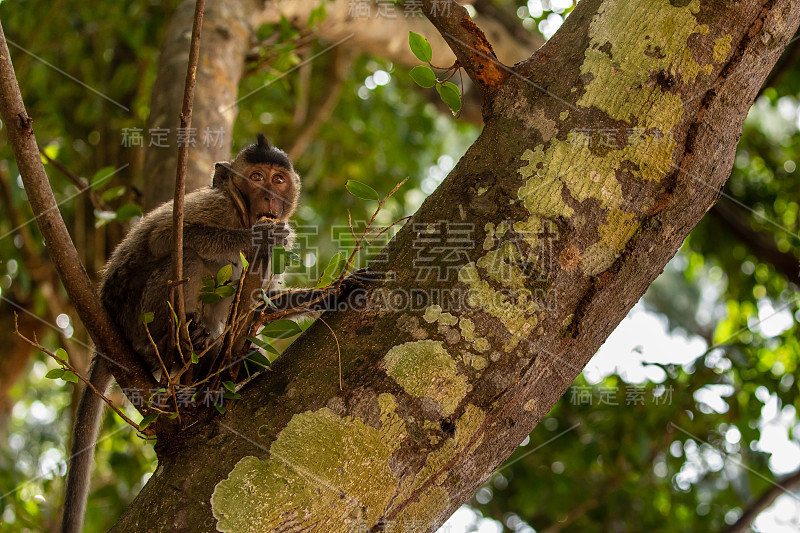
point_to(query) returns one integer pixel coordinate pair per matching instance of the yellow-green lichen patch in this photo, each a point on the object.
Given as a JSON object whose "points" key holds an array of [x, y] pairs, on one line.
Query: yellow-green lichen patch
{"points": [[614, 234], [482, 190], [425, 369], [323, 471], [517, 315], [466, 426], [563, 115], [501, 265], [618, 229], [721, 48], [482, 345], [629, 41], [432, 313], [448, 319], [541, 194], [597, 258], [467, 329]]}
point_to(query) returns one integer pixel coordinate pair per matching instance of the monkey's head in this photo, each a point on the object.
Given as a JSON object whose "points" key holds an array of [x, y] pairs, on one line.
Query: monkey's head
{"points": [[262, 182]]}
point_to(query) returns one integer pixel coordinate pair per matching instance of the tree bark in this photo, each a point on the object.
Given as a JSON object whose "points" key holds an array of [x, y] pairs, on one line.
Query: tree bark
{"points": [[438, 392], [228, 29]]}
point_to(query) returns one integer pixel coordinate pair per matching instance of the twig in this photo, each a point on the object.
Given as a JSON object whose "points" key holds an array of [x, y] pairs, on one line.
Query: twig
{"points": [[472, 49], [338, 350], [79, 183], [349, 263], [69, 367], [165, 375], [129, 369], [180, 175]]}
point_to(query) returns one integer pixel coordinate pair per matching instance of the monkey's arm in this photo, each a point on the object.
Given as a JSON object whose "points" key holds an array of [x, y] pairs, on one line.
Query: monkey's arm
{"points": [[352, 293], [215, 242]]}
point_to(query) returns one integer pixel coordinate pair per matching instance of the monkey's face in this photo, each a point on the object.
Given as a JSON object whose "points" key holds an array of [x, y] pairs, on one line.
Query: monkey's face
{"points": [[268, 191]]}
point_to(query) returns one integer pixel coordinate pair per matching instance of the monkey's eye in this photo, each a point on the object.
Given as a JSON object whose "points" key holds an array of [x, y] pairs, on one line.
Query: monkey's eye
{"points": [[257, 176], [277, 178]]}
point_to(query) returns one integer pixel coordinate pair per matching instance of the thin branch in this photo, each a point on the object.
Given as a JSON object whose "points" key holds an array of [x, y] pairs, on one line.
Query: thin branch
{"points": [[471, 47], [338, 351], [761, 243], [180, 176], [79, 183], [129, 370], [65, 364], [785, 485]]}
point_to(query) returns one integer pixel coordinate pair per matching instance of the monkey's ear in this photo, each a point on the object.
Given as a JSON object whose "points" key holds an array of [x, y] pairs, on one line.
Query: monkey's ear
{"points": [[222, 172]]}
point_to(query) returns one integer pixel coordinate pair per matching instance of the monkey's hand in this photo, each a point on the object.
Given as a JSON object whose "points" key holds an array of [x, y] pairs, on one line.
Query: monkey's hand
{"points": [[198, 333], [271, 233], [360, 279]]}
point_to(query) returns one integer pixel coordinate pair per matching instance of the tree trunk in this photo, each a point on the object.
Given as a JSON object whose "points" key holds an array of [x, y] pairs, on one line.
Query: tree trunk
{"points": [[439, 390], [227, 31]]}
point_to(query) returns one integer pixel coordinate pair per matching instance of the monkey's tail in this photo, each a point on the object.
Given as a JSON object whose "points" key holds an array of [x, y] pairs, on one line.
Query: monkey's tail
{"points": [[84, 437]]}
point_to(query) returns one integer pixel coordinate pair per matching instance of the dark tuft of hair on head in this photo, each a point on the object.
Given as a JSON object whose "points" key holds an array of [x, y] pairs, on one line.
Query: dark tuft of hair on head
{"points": [[262, 152]]}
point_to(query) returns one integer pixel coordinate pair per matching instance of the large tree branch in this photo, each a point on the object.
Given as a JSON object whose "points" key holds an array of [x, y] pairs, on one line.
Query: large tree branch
{"points": [[760, 243], [567, 237], [127, 368], [779, 488]]}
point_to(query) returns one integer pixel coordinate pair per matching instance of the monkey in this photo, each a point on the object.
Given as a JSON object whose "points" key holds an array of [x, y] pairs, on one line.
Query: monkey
{"points": [[254, 194]]}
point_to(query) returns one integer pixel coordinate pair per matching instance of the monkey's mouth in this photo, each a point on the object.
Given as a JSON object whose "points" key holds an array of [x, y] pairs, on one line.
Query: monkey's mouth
{"points": [[267, 216]]}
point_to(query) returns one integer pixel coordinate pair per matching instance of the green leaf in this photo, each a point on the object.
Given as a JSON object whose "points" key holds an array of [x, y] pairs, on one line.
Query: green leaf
{"points": [[146, 318], [245, 262], [220, 408], [226, 291], [61, 353], [423, 76], [267, 300], [280, 329], [258, 359], [361, 190], [229, 385], [224, 274], [103, 217], [69, 376], [317, 15], [173, 416], [210, 298], [332, 271], [113, 193], [232, 396], [278, 260], [101, 177], [293, 259], [195, 359], [162, 390], [420, 46], [146, 421], [174, 314], [54, 373], [450, 95], [264, 345], [127, 212]]}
